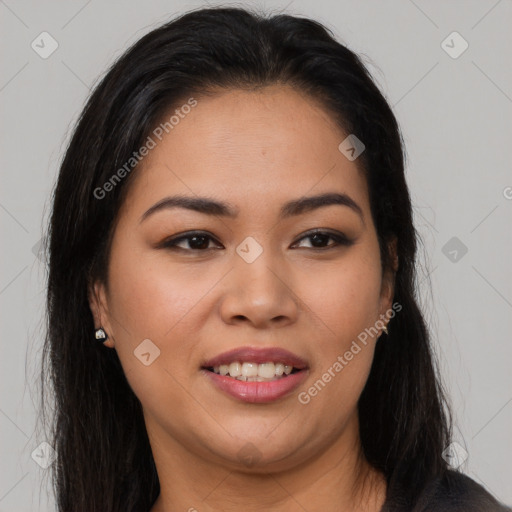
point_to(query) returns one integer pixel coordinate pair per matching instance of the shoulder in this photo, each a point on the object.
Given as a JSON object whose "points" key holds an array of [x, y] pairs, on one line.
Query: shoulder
{"points": [[457, 492], [450, 492]]}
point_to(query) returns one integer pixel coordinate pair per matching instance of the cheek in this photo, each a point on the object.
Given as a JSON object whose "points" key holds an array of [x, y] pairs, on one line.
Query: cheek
{"points": [[153, 297], [151, 300], [343, 302], [343, 298]]}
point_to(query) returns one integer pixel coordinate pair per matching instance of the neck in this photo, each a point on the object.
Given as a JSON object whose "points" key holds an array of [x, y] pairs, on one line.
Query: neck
{"points": [[335, 478]]}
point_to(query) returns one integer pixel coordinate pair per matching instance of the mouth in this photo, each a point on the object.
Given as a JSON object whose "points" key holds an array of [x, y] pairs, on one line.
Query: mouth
{"points": [[256, 375], [254, 372]]}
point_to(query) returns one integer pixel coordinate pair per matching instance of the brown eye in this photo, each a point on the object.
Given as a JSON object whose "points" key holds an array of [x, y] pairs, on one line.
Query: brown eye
{"points": [[196, 241], [319, 239], [200, 242]]}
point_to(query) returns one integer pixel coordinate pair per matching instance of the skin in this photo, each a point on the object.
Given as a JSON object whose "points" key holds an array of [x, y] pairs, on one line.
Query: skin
{"points": [[255, 150]]}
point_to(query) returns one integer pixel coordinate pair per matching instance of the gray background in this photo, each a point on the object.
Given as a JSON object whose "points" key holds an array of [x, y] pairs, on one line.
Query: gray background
{"points": [[455, 116]]}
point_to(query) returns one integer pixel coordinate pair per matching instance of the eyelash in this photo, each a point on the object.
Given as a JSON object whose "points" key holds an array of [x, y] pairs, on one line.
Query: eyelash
{"points": [[339, 238]]}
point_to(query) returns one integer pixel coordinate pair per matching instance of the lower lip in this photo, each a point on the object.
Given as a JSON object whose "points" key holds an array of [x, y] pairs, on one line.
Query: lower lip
{"points": [[257, 392]]}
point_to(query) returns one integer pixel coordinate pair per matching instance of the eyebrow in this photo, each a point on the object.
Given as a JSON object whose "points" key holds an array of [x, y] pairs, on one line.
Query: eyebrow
{"points": [[209, 206]]}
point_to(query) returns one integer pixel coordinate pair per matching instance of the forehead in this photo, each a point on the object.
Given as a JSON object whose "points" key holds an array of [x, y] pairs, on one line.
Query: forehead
{"points": [[253, 148]]}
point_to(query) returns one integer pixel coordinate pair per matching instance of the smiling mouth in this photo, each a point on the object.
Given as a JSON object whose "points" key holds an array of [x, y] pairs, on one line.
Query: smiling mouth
{"points": [[254, 372]]}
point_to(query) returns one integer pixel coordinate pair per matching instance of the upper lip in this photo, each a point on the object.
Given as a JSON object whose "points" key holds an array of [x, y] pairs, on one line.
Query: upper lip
{"points": [[257, 355]]}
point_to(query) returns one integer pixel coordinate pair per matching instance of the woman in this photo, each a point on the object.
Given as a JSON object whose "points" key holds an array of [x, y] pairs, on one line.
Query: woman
{"points": [[232, 318]]}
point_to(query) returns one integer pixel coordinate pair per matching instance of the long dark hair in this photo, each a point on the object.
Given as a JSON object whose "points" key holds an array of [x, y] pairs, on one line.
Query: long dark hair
{"points": [[104, 461]]}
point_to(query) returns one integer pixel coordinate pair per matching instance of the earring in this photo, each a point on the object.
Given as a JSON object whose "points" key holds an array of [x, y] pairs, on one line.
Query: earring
{"points": [[101, 335], [385, 329]]}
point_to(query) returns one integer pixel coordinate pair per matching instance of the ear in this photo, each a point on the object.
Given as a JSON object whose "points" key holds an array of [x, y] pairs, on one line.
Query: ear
{"points": [[99, 309], [388, 279]]}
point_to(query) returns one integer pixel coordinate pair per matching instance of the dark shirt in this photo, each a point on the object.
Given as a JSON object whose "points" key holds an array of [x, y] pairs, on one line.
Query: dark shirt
{"points": [[454, 492]]}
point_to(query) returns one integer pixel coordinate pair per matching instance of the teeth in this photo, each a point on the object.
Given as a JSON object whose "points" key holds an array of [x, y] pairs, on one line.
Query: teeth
{"points": [[267, 370], [235, 369], [250, 370], [254, 372]]}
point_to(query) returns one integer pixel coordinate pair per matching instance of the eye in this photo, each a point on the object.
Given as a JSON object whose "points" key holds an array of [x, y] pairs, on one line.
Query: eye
{"points": [[196, 241], [200, 242], [318, 239]]}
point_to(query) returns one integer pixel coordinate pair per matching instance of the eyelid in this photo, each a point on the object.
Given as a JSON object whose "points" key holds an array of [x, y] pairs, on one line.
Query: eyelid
{"points": [[323, 231], [339, 237], [171, 242]]}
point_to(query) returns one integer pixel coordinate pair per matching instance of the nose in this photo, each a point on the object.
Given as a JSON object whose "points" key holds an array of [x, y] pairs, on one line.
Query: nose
{"points": [[259, 293]]}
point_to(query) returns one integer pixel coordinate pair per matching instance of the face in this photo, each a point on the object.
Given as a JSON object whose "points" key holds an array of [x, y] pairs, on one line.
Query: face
{"points": [[259, 279]]}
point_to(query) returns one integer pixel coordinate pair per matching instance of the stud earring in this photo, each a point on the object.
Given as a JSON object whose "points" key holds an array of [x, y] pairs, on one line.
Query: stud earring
{"points": [[101, 335]]}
